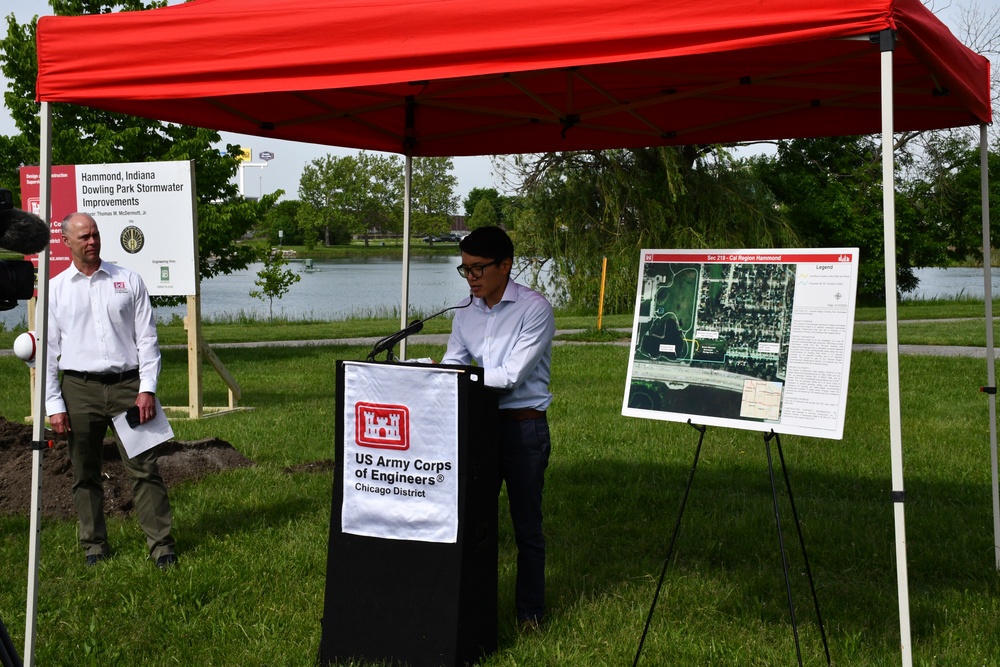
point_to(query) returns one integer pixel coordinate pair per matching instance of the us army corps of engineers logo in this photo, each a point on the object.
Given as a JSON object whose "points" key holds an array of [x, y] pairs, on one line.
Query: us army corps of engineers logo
{"points": [[382, 425], [132, 239]]}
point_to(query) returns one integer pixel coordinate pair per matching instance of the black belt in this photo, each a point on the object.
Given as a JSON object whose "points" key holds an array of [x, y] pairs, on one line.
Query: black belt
{"points": [[520, 414], [104, 378]]}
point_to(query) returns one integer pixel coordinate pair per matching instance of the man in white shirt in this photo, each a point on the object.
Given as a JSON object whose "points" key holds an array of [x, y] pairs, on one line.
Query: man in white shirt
{"points": [[102, 336], [508, 332]]}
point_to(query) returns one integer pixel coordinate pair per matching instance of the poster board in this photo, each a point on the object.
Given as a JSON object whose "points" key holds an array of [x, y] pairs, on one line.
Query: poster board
{"points": [[749, 339], [145, 211]]}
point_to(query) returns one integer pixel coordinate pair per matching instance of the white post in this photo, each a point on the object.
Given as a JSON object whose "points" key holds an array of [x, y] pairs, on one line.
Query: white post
{"points": [[984, 176], [38, 409], [405, 302], [892, 347]]}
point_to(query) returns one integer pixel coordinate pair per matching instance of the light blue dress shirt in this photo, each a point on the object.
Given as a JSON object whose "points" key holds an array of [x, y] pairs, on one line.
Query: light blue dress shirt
{"points": [[511, 342]]}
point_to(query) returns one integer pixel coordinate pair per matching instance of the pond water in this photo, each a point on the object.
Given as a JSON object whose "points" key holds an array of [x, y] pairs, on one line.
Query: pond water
{"points": [[954, 282], [338, 289], [334, 289]]}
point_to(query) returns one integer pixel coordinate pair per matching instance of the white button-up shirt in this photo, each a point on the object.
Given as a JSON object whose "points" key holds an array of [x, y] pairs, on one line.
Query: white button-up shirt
{"points": [[99, 324], [511, 342]]}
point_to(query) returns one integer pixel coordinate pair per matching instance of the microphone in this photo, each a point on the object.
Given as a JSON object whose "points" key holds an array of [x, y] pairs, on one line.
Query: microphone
{"points": [[20, 231], [386, 344]]}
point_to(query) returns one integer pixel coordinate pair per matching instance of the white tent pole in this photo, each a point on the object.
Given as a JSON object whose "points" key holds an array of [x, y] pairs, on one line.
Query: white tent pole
{"points": [[892, 346], [984, 176], [405, 302], [38, 408]]}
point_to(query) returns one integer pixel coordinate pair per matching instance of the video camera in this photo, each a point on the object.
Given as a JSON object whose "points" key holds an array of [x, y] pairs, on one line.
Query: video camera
{"points": [[24, 233]]}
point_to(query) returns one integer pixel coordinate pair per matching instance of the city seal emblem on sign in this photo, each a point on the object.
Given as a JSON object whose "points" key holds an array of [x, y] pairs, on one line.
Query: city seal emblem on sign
{"points": [[132, 239]]}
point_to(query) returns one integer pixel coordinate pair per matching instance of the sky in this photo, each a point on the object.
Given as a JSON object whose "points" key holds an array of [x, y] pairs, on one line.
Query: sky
{"points": [[284, 170], [290, 157]]}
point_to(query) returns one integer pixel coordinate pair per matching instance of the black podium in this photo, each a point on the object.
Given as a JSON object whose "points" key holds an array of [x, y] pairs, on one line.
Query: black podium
{"points": [[412, 579]]}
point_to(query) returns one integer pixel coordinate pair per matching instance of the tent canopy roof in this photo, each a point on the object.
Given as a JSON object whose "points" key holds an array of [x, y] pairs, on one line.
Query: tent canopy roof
{"points": [[468, 77]]}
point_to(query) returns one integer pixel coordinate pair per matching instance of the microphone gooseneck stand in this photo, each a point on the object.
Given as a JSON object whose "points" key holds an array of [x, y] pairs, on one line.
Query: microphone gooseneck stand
{"points": [[386, 344]]}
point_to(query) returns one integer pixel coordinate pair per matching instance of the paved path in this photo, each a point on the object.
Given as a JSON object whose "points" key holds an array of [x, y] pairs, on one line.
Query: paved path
{"points": [[442, 339]]}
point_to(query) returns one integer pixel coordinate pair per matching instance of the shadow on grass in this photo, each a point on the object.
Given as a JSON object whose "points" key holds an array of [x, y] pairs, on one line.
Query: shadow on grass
{"points": [[261, 499], [609, 526]]}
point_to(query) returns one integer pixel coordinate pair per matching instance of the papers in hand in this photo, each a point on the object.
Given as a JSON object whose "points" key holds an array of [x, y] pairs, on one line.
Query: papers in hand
{"points": [[144, 436]]}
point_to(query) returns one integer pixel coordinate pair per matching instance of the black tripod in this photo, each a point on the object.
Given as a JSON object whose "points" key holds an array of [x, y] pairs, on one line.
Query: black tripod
{"points": [[781, 544], [8, 654]]}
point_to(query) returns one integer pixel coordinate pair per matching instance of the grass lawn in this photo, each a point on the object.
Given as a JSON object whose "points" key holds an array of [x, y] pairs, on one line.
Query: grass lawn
{"points": [[252, 542]]}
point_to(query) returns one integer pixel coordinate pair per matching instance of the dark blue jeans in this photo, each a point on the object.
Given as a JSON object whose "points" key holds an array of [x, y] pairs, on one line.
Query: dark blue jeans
{"points": [[524, 455]]}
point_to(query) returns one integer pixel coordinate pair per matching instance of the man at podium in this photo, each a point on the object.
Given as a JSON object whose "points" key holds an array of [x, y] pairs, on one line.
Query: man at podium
{"points": [[508, 332]]}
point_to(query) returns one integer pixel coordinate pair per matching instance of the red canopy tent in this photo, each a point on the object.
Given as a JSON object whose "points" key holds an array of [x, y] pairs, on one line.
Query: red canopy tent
{"points": [[467, 77]]}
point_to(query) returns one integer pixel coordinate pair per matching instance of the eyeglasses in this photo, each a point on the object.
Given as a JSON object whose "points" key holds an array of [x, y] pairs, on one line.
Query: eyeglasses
{"points": [[475, 270]]}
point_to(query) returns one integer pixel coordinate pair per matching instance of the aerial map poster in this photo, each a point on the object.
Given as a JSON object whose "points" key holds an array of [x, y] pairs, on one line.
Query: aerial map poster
{"points": [[750, 339]]}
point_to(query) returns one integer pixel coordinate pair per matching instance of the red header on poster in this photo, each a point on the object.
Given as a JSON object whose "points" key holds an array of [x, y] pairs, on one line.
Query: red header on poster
{"points": [[750, 258]]}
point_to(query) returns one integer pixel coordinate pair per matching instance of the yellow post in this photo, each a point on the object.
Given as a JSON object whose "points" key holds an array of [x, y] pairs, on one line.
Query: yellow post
{"points": [[600, 304]]}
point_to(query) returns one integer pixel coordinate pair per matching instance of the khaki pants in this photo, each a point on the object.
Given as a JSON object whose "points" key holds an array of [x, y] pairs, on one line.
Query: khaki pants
{"points": [[91, 406]]}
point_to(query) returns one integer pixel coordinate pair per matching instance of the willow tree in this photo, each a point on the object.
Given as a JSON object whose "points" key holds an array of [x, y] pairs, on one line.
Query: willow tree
{"points": [[830, 190], [576, 209]]}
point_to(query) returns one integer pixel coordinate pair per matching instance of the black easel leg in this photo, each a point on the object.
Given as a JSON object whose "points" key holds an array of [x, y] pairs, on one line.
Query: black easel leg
{"points": [[673, 539], [802, 544], [8, 654], [781, 545]]}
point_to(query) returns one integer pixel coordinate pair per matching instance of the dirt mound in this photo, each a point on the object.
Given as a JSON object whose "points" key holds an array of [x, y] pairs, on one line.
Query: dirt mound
{"points": [[179, 462]]}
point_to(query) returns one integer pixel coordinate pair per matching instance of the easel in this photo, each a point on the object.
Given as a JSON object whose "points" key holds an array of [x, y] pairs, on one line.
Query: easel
{"points": [[781, 543], [8, 654]]}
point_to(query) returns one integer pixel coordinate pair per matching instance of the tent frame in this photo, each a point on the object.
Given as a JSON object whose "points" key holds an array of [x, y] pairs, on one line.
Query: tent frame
{"points": [[573, 123], [991, 383]]}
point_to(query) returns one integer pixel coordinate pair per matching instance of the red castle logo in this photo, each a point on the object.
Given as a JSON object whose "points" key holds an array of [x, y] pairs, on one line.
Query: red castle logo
{"points": [[382, 426]]}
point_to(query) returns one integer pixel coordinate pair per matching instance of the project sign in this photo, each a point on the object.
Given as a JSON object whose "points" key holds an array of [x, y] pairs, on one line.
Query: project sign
{"points": [[145, 211]]}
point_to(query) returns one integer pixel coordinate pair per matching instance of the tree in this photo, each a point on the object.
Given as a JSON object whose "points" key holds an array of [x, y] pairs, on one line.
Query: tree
{"points": [[433, 199], [274, 281], [284, 218], [947, 196], [477, 194], [578, 208], [497, 202], [328, 190], [830, 190], [351, 195], [81, 135], [484, 216], [380, 209]]}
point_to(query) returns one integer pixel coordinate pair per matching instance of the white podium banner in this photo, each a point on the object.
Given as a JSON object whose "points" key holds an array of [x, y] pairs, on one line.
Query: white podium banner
{"points": [[400, 452]]}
